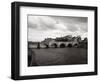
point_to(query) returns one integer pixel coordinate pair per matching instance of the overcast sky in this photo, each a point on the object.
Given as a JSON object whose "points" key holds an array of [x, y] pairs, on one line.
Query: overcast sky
{"points": [[41, 27]]}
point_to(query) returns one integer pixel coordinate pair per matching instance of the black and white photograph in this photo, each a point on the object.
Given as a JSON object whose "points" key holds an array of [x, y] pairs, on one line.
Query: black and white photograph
{"points": [[53, 40], [57, 40]]}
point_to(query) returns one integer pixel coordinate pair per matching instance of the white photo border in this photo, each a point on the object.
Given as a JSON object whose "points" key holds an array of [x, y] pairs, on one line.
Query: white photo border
{"points": [[42, 70]]}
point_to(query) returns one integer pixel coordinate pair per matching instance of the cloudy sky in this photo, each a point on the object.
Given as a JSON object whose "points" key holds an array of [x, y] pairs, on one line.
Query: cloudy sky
{"points": [[41, 27]]}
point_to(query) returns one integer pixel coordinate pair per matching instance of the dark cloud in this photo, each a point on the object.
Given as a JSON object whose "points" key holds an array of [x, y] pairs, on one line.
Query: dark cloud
{"points": [[64, 23], [46, 24], [32, 25], [73, 23]]}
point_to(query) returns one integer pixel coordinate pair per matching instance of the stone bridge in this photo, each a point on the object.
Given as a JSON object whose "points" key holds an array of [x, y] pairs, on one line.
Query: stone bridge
{"points": [[54, 44], [60, 44]]}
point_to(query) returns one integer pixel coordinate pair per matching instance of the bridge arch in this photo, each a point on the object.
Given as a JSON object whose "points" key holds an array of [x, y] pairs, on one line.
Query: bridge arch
{"points": [[62, 45], [46, 45], [54, 45], [69, 45], [75, 45]]}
